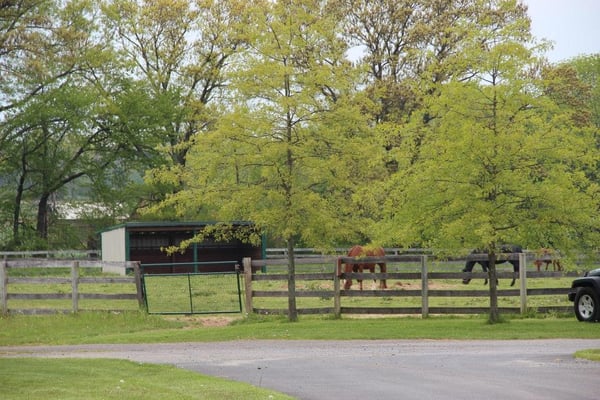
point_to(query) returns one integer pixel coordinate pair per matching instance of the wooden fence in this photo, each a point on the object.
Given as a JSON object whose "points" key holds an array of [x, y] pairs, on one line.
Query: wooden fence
{"points": [[75, 280], [425, 292]]}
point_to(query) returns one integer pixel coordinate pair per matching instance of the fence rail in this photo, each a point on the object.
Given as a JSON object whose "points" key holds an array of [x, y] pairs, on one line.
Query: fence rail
{"points": [[424, 292], [74, 279]]}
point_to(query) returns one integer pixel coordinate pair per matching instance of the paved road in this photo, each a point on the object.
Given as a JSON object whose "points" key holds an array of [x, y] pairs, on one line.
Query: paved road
{"points": [[379, 370]]}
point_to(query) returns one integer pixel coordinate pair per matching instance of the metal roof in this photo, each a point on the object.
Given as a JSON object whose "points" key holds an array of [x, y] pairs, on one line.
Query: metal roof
{"points": [[149, 225]]}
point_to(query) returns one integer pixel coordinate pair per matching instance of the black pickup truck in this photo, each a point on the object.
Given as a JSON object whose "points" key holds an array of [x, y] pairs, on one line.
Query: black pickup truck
{"points": [[585, 295]]}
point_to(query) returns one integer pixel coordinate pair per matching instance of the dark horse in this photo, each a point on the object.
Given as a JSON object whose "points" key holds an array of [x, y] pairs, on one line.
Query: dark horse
{"points": [[486, 265], [358, 252]]}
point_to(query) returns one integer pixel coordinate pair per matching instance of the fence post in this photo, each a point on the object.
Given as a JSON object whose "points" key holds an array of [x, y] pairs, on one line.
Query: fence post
{"points": [[75, 285], [523, 281], [247, 264], [337, 303], [137, 272], [4, 286], [424, 288]]}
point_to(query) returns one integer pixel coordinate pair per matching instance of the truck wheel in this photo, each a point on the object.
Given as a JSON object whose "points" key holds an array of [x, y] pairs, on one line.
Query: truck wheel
{"points": [[587, 305]]}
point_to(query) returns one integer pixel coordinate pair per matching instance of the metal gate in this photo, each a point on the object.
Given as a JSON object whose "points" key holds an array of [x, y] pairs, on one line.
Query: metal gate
{"points": [[193, 293]]}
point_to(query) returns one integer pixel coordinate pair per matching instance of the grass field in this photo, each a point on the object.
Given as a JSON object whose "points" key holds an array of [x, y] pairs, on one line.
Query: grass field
{"points": [[70, 379]]}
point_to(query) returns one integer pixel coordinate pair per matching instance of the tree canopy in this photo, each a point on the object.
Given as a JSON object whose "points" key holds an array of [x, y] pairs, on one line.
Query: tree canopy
{"points": [[449, 130]]}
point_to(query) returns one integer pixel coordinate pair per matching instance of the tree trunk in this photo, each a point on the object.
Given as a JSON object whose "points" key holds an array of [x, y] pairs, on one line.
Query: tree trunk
{"points": [[494, 313], [292, 311], [17, 210], [42, 216]]}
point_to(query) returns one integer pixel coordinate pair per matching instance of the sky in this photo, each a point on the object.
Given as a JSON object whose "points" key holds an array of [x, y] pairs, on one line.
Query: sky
{"points": [[573, 26]]}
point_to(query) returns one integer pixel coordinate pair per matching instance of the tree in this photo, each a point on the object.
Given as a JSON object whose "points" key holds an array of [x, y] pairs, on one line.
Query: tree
{"points": [[293, 148], [64, 119], [502, 162], [410, 48], [178, 51], [46, 48]]}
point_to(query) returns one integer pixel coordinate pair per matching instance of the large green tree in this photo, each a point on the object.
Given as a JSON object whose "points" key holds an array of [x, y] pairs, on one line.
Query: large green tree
{"points": [[294, 146], [501, 162], [411, 47]]}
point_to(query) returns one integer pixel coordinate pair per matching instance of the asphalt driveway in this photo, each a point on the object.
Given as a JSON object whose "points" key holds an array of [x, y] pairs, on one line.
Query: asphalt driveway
{"points": [[379, 369]]}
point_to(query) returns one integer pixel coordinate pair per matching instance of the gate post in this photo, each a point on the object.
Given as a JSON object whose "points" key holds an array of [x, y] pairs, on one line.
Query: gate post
{"points": [[137, 272], [424, 288], [523, 281], [247, 263]]}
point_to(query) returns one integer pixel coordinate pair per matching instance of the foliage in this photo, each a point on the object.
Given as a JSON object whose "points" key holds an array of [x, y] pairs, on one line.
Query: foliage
{"points": [[284, 156], [588, 72]]}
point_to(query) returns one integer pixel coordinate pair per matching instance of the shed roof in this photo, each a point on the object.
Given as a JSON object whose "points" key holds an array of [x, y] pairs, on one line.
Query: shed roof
{"points": [[170, 225]]}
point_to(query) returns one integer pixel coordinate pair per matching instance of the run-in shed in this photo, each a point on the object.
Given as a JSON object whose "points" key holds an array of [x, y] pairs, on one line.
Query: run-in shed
{"points": [[146, 242]]}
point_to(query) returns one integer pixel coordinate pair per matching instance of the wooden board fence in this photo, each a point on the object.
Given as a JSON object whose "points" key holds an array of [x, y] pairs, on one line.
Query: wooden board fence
{"points": [[425, 292], [75, 280]]}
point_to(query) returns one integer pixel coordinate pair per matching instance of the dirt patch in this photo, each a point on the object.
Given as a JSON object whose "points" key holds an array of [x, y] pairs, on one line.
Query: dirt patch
{"points": [[195, 321], [417, 285], [217, 321]]}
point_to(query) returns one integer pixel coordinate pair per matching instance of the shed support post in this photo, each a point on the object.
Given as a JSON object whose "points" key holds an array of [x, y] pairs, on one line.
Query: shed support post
{"points": [[247, 263]]}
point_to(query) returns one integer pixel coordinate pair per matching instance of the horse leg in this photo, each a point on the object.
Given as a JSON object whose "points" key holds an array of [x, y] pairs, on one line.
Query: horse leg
{"points": [[515, 265], [485, 267], [359, 268], [383, 270], [556, 265], [372, 269]]}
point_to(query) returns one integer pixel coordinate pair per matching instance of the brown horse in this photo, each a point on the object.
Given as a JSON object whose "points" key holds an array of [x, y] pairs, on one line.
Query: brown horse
{"points": [[547, 256], [358, 252]]}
